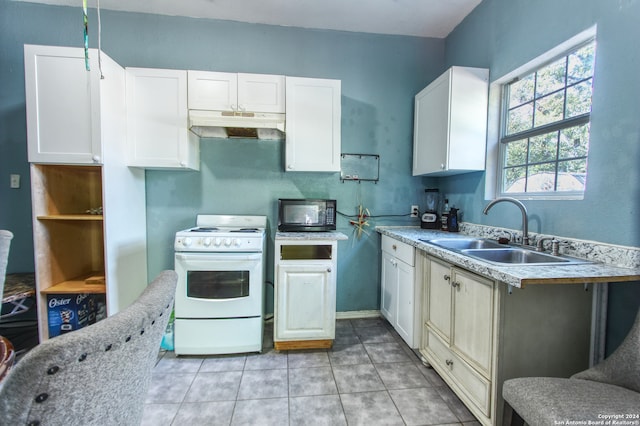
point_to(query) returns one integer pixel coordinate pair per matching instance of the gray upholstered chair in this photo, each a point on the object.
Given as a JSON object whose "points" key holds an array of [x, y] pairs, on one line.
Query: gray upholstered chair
{"points": [[98, 375], [5, 243], [611, 388]]}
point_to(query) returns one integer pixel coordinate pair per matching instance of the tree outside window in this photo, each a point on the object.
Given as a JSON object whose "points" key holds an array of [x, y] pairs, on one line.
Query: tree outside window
{"points": [[545, 136]]}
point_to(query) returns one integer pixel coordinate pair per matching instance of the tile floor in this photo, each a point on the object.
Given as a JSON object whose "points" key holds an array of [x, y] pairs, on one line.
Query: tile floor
{"points": [[369, 377]]}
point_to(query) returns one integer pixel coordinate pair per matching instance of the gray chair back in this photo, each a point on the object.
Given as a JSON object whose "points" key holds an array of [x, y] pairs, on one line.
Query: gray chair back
{"points": [[98, 375]]}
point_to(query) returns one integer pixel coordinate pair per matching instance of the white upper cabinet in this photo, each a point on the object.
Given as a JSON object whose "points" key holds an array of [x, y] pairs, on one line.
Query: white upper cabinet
{"points": [[221, 91], [313, 125], [157, 124], [65, 104], [450, 123]]}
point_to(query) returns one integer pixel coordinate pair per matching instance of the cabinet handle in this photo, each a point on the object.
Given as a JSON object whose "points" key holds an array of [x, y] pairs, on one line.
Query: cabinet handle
{"points": [[455, 284], [449, 362], [447, 277]]}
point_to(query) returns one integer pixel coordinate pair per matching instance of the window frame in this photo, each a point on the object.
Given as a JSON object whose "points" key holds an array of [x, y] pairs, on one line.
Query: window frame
{"points": [[498, 110]]}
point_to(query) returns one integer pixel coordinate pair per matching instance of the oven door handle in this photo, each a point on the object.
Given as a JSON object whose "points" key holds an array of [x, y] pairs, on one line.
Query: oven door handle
{"points": [[218, 256]]}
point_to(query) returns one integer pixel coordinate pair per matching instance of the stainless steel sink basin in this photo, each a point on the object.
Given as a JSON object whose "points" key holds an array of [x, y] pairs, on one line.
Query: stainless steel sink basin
{"points": [[464, 243], [519, 256]]}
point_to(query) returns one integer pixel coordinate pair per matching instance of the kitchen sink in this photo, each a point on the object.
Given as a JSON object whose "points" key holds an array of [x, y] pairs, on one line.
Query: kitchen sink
{"points": [[500, 254], [520, 256], [464, 243]]}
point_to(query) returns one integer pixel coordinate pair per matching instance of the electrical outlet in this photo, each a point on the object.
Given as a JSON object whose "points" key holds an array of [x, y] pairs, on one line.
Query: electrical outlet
{"points": [[414, 211]]}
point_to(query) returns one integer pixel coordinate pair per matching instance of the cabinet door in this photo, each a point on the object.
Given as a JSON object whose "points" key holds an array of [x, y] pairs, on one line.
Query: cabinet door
{"points": [[313, 125], [157, 131], [261, 93], [438, 298], [63, 105], [389, 288], [305, 301], [473, 307], [431, 127], [450, 123], [213, 91], [406, 302]]}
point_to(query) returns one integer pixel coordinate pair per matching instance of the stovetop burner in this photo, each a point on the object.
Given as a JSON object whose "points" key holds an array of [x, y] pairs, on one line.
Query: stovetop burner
{"points": [[203, 229], [223, 233]]}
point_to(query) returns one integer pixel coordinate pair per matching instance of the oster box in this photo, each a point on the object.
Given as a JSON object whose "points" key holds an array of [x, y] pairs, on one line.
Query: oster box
{"points": [[68, 312]]}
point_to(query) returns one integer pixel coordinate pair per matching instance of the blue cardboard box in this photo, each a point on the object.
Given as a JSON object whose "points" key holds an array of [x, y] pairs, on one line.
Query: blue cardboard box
{"points": [[68, 312]]}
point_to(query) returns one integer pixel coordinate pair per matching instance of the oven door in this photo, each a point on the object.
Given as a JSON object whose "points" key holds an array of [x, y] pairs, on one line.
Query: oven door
{"points": [[219, 285]]}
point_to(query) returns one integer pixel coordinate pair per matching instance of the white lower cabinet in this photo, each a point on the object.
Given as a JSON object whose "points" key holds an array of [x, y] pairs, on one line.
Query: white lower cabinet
{"points": [[476, 334], [305, 294], [400, 296]]}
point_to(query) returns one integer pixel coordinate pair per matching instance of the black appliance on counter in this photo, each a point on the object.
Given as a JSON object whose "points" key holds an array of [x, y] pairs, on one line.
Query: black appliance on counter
{"points": [[306, 215], [430, 218]]}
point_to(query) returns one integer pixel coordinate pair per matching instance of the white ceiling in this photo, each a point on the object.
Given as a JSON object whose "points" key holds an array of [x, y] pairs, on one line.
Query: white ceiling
{"points": [[424, 18]]}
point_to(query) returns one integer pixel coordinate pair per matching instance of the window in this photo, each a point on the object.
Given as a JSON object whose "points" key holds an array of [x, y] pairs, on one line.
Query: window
{"points": [[544, 138]]}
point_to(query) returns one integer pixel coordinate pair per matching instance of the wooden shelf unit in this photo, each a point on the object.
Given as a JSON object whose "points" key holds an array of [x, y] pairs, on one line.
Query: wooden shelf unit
{"points": [[70, 241]]}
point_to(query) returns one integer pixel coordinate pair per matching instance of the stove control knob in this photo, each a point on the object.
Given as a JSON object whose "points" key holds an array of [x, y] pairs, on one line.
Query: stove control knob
{"points": [[236, 242], [206, 242], [227, 242], [217, 242], [187, 242]]}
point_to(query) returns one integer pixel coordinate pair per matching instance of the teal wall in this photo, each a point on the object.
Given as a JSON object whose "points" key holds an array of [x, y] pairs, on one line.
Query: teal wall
{"points": [[505, 34], [379, 74]]}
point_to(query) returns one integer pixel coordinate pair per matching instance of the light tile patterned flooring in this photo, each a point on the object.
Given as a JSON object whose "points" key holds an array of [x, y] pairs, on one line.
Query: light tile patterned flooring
{"points": [[369, 377]]}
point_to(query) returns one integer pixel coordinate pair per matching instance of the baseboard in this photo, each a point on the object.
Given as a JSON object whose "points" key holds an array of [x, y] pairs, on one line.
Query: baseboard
{"points": [[357, 314]]}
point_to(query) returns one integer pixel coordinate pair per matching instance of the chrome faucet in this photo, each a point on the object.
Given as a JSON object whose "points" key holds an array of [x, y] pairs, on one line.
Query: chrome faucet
{"points": [[523, 209]]}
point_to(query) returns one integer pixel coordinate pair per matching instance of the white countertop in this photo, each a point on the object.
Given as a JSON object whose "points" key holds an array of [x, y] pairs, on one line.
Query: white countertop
{"points": [[518, 275]]}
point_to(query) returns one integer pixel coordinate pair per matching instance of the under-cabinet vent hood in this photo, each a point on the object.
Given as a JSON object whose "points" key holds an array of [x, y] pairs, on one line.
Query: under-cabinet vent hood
{"points": [[223, 124]]}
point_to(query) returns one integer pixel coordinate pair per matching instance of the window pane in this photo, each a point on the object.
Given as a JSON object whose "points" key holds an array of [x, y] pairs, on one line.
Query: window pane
{"points": [[515, 179], [580, 65], [572, 175], [574, 142], [550, 78], [549, 109], [542, 178], [579, 99], [555, 96], [516, 153], [521, 91], [520, 119], [543, 147]]}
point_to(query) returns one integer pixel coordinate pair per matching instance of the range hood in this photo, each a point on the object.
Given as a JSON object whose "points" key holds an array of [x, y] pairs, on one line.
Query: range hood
{"points": [[229, 124]]}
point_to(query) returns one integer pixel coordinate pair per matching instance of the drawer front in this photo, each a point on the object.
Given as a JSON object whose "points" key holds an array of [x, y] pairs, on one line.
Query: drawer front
{"points": [[476, 387], [399, 250]]}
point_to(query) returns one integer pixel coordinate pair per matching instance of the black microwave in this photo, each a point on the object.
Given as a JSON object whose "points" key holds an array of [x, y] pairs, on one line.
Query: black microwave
{"points": [[306, 215]]}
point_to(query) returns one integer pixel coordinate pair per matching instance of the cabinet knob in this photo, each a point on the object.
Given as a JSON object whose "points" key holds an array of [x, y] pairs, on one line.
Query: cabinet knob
{"points": [[183, 164], [449, 362], [447, 277], [290, 167], [328, 269], [455, 284], [395, 247], [234, 107], [442, 166], [96, 158]]}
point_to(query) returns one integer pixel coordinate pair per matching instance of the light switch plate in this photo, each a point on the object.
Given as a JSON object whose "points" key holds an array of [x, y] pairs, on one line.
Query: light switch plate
{"points": [[15, 181]]}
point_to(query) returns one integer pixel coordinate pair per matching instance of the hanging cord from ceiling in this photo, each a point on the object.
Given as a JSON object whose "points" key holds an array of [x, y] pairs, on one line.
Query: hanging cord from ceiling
{"points": [[99, 40], [85, 20]]}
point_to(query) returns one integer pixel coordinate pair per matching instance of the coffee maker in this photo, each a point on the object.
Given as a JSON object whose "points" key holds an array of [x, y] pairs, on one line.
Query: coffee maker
{"points": [[429, 219]]}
